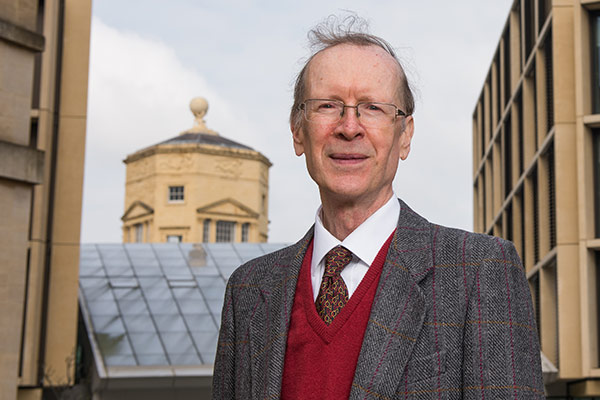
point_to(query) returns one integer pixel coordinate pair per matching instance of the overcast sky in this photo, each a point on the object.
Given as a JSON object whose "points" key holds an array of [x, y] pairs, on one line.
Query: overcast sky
{"points": [[149, 58]]}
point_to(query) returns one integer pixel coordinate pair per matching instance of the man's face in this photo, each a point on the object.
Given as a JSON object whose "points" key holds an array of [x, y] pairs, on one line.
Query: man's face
{"points": [[348, 161]]}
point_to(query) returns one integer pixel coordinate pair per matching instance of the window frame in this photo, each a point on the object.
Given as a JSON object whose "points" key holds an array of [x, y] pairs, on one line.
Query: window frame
{"points": [[225, 231], [174, 192]]}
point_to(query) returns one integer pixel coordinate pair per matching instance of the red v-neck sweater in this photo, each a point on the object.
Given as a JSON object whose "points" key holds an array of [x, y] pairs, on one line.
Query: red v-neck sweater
{"points": [[319, 359]]}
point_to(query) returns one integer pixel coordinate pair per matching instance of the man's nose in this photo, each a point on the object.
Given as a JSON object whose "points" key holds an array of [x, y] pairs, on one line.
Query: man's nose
{"points": [[350, 126]]}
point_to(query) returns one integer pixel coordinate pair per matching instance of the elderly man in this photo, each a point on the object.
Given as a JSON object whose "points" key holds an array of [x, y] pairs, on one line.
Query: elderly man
{"points": [[374, 302]]}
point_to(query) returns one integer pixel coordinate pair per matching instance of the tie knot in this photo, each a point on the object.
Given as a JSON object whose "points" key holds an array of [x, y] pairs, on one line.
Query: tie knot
{"points": [[336, 260]]}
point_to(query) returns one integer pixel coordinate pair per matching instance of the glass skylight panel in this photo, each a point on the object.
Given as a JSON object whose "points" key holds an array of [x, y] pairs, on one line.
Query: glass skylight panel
{"points": [[213, 290], [185, 359], [147, 270], [152, 359], [247, 251], [128, 293], [164, 306], [103, 307], [141, 323], [147, 344], [188, 293], [88, 253], [206, 343], [179, 281], [118, 270], [136, 307], [169, 322], [113, 344], [155, 288], [113, 254], [111, 324], [87, 270], [177, 273], [205, 271], [271, 247], [177, 343], [119, 360], [169, 255], [123, 283], [172, 263], [200, 322], [95, 289], [215, 305], [190, 306], [138, 250]]}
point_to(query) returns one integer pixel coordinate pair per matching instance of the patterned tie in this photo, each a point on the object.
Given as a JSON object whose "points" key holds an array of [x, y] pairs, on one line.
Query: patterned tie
{"points": [[333, 293]]}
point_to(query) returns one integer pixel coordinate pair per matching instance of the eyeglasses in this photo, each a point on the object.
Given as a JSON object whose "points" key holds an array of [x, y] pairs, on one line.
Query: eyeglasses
{"points": [[370, 114]]}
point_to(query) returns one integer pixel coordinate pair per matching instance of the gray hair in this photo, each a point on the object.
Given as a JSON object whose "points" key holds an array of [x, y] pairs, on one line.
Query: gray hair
{"points": [[351, 30]]}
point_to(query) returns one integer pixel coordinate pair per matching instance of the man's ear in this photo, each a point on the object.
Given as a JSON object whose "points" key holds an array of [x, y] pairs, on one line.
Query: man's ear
{"points": [[298, 137], [406, 137]]}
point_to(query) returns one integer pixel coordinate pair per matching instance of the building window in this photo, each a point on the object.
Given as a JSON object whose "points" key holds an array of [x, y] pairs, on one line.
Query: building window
{"points": [[206, 230], [175, 193], [225, 231], [534, 287], [174, 238], [549, 81], [544, 8], [507, 156], [529, 28], [139, 233], [245, 230], [595, 22], [596, 141]]}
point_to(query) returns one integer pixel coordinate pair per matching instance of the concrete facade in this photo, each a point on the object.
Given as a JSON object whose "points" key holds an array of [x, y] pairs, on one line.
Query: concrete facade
{"points": [[44, 48], [196, 187], [535, 176]]}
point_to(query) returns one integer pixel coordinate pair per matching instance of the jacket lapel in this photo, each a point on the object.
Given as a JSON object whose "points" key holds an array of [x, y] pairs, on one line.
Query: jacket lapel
{"points": [[278, 296], [398, 310]]}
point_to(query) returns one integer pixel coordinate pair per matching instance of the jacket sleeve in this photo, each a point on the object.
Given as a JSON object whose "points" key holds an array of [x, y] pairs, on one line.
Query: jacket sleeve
{"points": [[223, 386], [501, 345]]}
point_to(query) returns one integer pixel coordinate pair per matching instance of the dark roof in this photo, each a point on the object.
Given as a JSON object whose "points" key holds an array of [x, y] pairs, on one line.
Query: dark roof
{"points": [[205, 138]]}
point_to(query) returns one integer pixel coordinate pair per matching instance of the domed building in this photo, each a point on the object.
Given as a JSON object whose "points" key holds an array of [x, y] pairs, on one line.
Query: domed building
{"points": [[196, 187]]}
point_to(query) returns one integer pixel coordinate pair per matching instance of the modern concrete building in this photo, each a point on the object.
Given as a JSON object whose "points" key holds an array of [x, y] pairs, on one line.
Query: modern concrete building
{"points": [[536, 176], [44, 52], [196, 187]]}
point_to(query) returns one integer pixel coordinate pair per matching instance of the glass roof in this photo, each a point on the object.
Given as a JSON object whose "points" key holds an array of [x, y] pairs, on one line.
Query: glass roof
{"points": [[158, 304]]}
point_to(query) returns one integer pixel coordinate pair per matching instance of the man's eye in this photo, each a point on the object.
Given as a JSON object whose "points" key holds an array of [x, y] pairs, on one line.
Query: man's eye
{"points": [[327, 106], [373, 107]]}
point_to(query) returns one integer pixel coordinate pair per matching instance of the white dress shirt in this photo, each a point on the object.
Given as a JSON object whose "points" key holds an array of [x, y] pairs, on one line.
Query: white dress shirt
{"points": [[364, 243]]}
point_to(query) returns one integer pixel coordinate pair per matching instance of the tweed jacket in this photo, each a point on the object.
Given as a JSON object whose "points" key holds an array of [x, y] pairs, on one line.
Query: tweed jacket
{"points": [[452, 318]]}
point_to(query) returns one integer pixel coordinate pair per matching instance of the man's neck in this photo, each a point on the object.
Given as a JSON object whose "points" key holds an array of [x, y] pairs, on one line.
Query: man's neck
{"points": [[341, 217]]}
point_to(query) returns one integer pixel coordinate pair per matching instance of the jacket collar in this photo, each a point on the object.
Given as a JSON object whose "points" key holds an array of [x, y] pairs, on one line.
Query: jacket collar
{"points": [[398, 310]]}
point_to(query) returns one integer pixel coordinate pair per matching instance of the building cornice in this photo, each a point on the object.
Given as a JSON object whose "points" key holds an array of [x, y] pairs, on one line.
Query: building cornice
{"points": [[198, 148]]}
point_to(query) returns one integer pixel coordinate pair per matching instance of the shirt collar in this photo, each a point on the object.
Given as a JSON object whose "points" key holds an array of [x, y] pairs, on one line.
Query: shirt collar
{"points": [[366, 240]]}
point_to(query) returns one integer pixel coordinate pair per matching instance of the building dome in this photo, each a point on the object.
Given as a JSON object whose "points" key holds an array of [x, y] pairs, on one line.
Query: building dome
{"points": [[197, 186]]}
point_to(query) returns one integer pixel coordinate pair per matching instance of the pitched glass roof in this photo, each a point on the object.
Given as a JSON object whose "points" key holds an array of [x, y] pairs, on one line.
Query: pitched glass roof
{"points": [[157, 304]]}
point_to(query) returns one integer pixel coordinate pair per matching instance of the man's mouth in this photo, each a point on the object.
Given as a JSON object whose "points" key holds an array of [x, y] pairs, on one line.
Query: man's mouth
{"points": [[349, 158]]}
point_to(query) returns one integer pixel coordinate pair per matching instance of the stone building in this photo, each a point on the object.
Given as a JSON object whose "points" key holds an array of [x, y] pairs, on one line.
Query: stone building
{"points": [[536, 176], [196, 187], [44, 54]]}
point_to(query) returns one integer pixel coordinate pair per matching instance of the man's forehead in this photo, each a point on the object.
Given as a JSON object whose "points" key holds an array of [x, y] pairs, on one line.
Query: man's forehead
{"points": [[342, 52], [371, 65]]}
